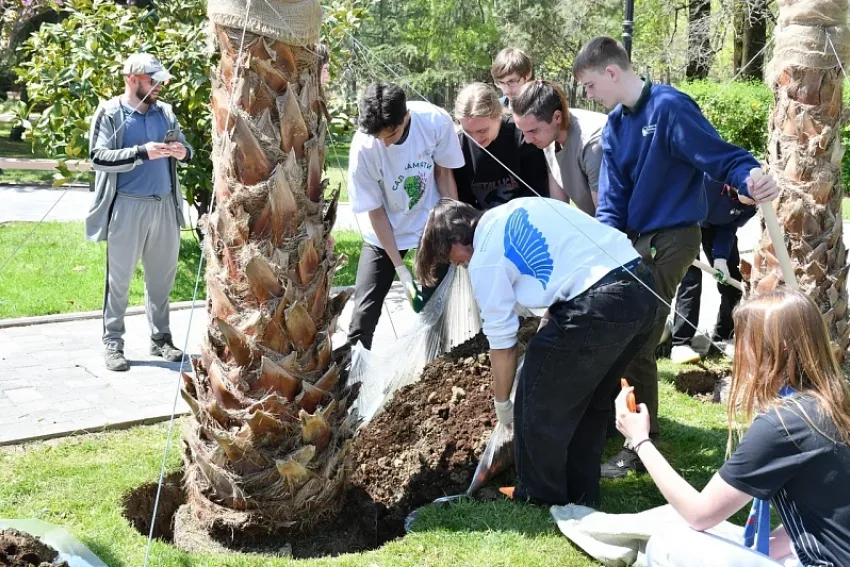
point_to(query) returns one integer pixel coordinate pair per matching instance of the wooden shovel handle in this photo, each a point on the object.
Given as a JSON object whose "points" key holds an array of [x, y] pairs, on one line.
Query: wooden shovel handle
{"points": [[776, 236]]}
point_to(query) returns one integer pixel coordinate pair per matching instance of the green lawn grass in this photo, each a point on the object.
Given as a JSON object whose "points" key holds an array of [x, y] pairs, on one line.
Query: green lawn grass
{"points": [[337, 172], [78, 483], [845, 208], [58, 271], [23, 149]]}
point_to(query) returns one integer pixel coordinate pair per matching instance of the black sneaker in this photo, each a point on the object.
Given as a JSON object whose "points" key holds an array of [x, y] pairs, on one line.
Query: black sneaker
{"points": [[620, 464], [165, 349], [115, 360]]}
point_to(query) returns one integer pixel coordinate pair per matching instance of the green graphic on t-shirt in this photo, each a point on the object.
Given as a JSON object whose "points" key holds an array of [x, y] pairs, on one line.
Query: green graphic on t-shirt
{"points": [[414, 186]]}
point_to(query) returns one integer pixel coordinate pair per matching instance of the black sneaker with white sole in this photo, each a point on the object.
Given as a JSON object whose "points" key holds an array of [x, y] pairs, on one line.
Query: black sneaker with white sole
{"points": [[620, 464]]}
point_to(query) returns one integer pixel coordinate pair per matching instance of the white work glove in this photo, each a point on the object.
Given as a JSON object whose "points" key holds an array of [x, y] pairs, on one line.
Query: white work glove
{"points": [[762, 187], [720, 265], [504, 411], [406, 279]]}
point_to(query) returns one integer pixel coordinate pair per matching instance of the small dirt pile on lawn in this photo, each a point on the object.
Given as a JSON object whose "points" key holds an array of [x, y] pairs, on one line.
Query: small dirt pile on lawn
{"points": [[18, 549], [427, 442]]}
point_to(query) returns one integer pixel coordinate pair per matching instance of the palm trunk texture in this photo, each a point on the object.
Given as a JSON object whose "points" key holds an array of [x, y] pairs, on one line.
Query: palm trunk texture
{"points": [[805, 153], [268, 447]]}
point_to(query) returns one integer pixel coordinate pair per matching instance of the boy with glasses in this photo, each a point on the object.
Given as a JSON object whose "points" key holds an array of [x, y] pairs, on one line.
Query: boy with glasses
{"points": [[511, 70]]}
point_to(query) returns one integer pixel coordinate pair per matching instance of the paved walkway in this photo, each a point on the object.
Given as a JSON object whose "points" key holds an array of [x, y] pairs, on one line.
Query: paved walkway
{"points": [[53, 380]]}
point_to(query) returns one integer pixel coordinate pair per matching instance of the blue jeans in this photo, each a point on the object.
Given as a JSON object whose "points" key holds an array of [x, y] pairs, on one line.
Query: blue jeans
{"points": [[563, 398]]}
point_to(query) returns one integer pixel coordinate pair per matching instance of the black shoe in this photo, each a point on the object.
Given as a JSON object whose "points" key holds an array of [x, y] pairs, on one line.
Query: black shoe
{"points": [[165, 349], [620, 464], [115, 360]]}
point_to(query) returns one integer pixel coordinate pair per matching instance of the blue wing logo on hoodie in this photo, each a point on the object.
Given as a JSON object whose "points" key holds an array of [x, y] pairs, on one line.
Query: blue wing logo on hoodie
{"points": [[527, 249]]}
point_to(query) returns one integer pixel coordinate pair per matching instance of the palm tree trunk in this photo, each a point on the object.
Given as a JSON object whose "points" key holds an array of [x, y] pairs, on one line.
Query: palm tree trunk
{"points": [[805, 153], [268, 447]]}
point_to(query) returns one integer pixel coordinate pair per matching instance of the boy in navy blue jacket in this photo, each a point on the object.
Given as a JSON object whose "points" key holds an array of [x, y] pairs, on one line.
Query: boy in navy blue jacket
{"points": [[726, 214], [656, 146]]}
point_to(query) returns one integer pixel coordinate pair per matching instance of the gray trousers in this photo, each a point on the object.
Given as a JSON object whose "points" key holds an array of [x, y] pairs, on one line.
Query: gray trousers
{"points": [[146, 228]]}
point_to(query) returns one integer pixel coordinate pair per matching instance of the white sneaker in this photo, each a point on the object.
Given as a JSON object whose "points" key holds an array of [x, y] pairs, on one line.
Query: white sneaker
{"points": [[728, 348], [684, 354]]}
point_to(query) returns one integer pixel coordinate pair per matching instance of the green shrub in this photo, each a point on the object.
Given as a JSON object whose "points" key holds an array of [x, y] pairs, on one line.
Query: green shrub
{"points": [[739, 111], [70, 65]]}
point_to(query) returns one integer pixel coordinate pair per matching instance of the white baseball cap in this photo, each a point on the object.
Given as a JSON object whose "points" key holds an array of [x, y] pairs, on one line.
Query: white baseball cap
{"points": [[146, 64]]}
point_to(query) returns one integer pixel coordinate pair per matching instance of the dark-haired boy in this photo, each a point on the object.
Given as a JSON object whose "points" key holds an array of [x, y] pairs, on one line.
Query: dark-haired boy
{"points": [[400, 164], [656, 146]]}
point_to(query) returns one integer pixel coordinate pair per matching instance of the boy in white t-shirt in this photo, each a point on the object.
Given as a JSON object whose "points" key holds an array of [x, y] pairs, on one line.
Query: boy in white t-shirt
{"points": [[400, 163], [544, 254]]}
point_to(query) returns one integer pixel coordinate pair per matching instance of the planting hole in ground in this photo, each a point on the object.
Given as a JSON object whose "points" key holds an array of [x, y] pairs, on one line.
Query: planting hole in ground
{"points": [[426, 444], [695, 382]]}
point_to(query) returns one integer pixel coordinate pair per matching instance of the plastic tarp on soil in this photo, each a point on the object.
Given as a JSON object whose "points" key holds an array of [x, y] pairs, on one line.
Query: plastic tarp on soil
{"points": [[70, 549], [449, 318], [498, 455]]}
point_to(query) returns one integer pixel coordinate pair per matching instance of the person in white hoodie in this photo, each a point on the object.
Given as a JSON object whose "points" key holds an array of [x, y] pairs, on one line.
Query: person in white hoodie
{"points": [[599, 310]]}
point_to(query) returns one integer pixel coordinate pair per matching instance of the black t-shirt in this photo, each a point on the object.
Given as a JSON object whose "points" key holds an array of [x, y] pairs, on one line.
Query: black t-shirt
{"points": [[805, 475], [484, 183]]}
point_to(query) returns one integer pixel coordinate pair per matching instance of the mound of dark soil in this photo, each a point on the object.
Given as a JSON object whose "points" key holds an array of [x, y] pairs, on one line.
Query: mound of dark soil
{"points": [[18, 549], [427, 442]]}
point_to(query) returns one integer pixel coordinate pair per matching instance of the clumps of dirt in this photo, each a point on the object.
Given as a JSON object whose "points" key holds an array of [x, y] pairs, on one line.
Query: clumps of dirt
{"points": [[427, 442], [695, 382], [18, 549]]}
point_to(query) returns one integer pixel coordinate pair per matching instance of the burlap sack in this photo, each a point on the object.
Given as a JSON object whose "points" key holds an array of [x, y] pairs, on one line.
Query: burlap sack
{"points": [[296, 22], [810, 33]]}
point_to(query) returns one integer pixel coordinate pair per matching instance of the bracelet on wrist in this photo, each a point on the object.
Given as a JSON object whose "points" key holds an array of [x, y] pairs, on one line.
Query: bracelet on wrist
{"points": [[637, 445]]}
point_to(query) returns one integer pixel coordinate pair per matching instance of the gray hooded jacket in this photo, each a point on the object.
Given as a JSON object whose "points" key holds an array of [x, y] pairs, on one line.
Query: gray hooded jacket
{"points": [[109, 157]]}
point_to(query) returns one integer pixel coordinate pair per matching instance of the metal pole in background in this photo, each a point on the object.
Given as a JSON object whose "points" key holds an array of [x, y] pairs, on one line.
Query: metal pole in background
{"points": [[629, 26]]}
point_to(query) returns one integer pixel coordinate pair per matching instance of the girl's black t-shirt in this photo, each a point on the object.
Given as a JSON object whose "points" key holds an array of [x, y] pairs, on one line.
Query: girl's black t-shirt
{"points": [[793, 456], [484, 183]]}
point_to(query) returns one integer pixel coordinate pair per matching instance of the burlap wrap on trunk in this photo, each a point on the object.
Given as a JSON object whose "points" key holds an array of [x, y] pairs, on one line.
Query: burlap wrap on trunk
{"points": [[296, 22], [801, 35]]}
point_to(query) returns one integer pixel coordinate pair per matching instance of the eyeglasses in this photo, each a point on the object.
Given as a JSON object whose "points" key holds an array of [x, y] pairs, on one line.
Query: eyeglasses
{"points": [[511, 83]]}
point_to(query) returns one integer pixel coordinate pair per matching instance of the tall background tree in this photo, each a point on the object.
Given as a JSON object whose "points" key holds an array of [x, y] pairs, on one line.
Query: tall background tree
{"points": [[805, 151], [751, 18]]}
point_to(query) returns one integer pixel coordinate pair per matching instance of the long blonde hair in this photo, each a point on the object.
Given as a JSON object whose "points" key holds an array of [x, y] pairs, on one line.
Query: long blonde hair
{"points": [[478, 100], [782, 340]]}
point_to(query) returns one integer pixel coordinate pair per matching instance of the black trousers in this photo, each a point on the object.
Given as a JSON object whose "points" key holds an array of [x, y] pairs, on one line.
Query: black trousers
{"points": [[563, 398], [375, 275], [690, 292]]}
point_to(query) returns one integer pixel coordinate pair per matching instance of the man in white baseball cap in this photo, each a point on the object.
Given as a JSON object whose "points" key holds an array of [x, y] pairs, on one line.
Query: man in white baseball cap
{"points": [[136, 144]]}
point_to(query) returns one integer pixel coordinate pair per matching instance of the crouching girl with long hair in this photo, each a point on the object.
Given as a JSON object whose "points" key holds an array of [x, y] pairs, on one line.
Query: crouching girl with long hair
{"points": [[795, 454]]}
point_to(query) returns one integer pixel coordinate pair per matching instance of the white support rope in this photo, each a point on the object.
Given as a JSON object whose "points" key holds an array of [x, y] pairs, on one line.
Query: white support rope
{"points": [[171, 420], [837, 58]]}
